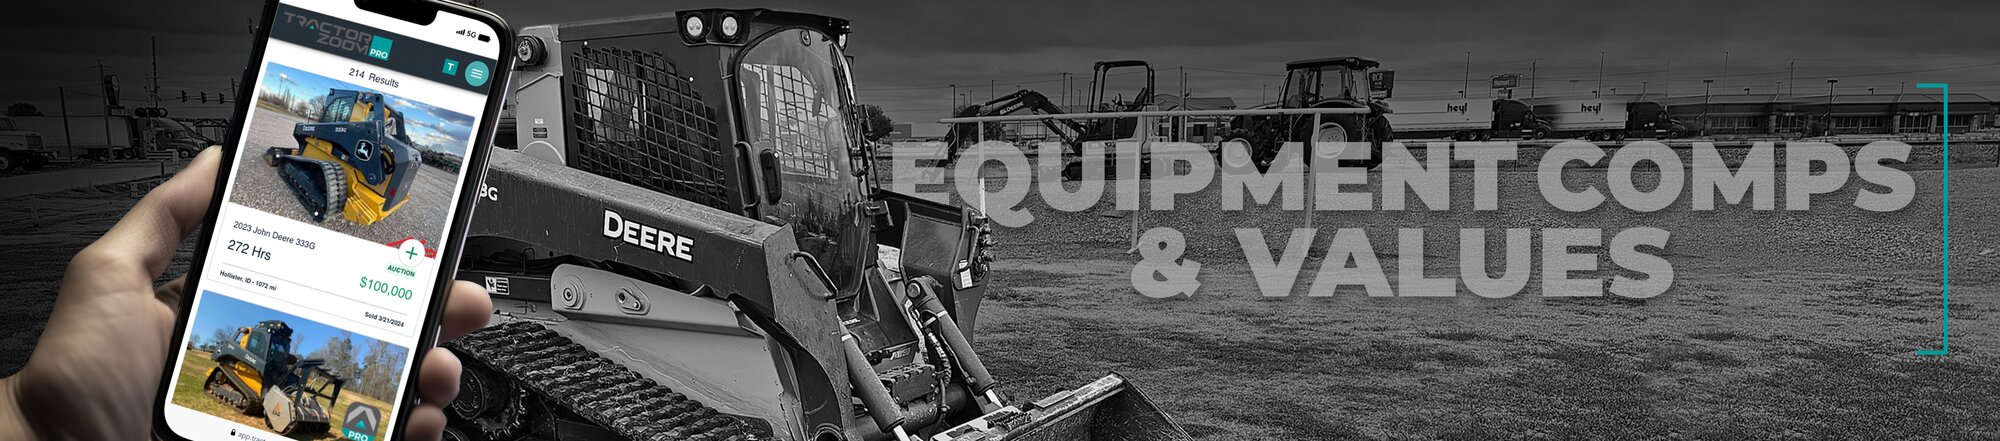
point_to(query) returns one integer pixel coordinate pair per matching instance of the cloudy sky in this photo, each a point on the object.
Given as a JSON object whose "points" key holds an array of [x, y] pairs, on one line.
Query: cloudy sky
{"points": [[908, 53]]}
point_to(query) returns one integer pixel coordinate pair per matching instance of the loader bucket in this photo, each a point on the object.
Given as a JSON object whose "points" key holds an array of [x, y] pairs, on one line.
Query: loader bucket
{"points": [[1109, 409]]}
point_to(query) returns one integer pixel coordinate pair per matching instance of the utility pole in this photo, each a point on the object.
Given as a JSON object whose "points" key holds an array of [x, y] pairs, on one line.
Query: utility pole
{"points": [[1669, 92], [1466, 85], [1725, 68], [1600, 76], [1532, 68], [104, 82], [1064, 78], [1180, 123], [954, 99], [153, 86], [1793, 77], [992, 89], [62, 100], [1829, 104]]}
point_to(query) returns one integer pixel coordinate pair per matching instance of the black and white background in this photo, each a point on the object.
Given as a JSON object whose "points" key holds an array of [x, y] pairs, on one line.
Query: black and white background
{"points": [[1781, 324]]}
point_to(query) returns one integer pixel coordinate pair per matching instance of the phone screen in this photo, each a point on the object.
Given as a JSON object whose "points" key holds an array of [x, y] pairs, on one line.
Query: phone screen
{"points": [[316, 286]]}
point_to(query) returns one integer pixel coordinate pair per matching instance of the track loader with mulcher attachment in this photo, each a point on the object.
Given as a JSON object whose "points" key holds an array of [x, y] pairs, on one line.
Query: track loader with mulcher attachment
{"points": [[685, 239], [356, 160], [257, 374]]}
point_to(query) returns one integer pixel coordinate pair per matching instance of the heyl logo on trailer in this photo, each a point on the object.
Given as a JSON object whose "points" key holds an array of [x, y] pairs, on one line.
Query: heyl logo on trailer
{"points": [[1593, 108], [1455, 108], [647, 236]]}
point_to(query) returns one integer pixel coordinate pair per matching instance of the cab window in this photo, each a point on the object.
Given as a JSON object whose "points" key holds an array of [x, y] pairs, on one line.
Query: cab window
{"points": [[338, 110]]}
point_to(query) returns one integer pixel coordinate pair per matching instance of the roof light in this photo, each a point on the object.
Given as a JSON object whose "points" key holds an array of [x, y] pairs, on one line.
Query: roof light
{"points": [[730, 26], [694, 27]]}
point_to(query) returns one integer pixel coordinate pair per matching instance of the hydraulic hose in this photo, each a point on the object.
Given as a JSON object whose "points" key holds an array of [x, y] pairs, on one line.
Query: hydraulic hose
{"points": [[975, 371], [887, 414]]}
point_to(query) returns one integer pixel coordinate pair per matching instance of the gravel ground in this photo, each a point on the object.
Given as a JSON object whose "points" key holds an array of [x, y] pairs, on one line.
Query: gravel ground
{"points": [[1781, 325], [422, 217]]}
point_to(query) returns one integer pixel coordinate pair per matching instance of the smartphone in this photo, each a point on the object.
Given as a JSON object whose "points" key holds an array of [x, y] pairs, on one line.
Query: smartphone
{"points": [[344, 192]]}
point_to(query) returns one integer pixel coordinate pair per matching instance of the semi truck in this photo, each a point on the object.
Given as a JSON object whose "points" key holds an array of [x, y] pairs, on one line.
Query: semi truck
{"points": [[1595, 119], [100, 137], [20, 148], [1457, 120]]}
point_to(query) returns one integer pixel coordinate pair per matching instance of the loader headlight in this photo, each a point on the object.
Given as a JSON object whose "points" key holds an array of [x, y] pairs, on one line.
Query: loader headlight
{"points": [[693, 27], [730, 26], [530, 51], [727, 27]]}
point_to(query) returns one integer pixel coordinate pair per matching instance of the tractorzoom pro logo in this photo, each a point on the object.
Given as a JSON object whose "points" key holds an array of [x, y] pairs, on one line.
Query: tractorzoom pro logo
{"points": [[343, 38]]}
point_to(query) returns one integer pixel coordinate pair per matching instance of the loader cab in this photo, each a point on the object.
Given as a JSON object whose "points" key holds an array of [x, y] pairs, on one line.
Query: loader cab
{"points": [[747, 111], [794, 113]]}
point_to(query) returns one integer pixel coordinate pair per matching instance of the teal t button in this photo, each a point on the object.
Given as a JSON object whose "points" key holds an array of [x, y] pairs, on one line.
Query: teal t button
{"points": [[450, 66], [475, 73]]}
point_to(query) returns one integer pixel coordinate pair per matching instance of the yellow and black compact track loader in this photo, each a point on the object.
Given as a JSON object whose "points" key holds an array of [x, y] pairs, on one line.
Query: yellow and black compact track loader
{"points": [[258, 374]]}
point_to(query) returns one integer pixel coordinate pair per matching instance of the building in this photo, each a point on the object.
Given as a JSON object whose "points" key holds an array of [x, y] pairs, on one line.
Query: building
{"points": [[1201, 129], [1837, 114]]}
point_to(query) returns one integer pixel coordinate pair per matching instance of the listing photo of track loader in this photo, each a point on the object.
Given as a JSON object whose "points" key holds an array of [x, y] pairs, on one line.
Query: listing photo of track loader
{"points": [[355, 162], [257, 374]]}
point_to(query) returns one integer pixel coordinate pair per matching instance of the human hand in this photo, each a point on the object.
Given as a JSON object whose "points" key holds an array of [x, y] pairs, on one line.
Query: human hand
{"points": [[96, 370]]}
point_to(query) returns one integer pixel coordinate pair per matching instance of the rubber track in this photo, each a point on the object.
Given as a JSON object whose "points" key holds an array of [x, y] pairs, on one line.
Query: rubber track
{"points": [[331, 188], [597, 388]]}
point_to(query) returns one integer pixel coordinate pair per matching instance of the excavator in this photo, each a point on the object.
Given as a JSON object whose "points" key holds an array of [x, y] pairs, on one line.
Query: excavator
{"points": [[356, 160], [1072, 132], [686, 238], [258, 374]]}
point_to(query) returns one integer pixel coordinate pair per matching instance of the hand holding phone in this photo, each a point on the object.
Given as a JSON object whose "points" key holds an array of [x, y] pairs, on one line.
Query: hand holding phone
{"points": [[335, 224]]}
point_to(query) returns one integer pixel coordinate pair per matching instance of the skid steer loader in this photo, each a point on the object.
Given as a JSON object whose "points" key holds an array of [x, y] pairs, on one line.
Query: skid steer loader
{"points": [[258, 374], [355, 160], [685, 239]]}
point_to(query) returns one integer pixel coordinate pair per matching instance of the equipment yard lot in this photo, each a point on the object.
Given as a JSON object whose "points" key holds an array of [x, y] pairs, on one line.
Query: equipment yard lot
{"points": [[261, 189], [1796, 325], [188, 393], [1781, 325]]}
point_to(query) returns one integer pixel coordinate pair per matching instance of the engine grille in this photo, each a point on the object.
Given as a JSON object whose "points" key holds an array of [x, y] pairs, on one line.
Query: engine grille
{"points": [[639, 122]]}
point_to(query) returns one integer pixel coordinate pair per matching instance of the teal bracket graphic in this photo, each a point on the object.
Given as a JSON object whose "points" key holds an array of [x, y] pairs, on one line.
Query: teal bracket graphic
{"points": [[1945, 91]]}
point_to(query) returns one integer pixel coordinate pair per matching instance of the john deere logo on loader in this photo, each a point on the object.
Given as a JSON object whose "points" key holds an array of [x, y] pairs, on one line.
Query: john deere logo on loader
{"points": [[361, 422]]}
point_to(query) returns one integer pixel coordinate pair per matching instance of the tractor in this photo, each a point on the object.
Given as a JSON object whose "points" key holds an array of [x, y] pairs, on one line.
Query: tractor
{"points": [[686, 238], [356, 159], [258, 374], [1337, 82]]}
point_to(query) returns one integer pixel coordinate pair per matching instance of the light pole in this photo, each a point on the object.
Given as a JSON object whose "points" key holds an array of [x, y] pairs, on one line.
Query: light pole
{"points": [[954, 98]]}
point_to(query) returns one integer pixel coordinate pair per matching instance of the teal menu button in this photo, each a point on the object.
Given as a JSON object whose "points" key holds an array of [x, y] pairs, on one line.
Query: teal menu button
{"points": [[476, 73]]}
